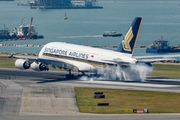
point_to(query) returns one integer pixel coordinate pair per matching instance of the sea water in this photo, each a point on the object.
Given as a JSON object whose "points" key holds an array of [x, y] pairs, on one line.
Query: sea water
{"points": [[86, 26]]}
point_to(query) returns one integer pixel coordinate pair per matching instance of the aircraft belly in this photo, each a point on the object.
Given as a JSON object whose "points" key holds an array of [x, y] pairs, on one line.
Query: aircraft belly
{"points": [[82, 66]]}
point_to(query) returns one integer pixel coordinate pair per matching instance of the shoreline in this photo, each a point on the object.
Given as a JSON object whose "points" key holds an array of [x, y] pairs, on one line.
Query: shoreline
{"points": [[14, 53]]}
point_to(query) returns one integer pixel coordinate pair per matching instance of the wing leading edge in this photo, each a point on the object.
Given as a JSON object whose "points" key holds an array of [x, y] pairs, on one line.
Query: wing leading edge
{"points": [[155, 58]]}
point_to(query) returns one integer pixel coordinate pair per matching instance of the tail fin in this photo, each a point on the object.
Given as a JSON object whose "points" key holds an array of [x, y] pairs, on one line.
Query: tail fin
{"points": [[129, 41]]}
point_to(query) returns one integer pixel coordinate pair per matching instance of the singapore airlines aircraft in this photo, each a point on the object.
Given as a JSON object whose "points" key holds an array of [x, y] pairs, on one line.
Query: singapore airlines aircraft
{"points": [[83, 59]]}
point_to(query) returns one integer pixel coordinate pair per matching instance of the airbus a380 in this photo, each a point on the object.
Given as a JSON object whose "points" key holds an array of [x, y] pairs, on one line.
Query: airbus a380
{"points": [[83, 59]]}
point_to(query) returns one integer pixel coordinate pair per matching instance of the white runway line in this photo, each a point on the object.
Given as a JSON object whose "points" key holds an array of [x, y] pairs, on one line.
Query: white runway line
{"points": [[173, 80], [129, 84]]}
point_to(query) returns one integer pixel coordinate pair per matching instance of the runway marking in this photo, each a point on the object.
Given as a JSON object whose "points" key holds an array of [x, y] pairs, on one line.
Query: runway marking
{"points": [[172, 80], [27, 98], [129, 84]]}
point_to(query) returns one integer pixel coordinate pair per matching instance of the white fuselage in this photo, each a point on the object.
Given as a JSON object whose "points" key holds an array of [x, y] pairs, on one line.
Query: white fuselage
{"points": [[83, 57]]}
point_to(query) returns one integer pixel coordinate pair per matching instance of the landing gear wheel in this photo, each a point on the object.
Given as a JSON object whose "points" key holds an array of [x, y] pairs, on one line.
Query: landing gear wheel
{"points": [[83, 75], [69, 76]]}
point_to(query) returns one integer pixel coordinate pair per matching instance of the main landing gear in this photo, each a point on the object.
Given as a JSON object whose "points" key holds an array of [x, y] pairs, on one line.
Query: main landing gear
{"points": [[91, 75], [68, 76], [71, 76]]}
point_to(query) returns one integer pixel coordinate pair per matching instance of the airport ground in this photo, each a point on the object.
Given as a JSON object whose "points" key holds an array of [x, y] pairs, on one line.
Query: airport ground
{"points": [[30, 95]]}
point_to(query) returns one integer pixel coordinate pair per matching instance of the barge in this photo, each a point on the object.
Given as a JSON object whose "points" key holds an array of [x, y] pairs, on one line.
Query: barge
{"points": [[162, 46]]}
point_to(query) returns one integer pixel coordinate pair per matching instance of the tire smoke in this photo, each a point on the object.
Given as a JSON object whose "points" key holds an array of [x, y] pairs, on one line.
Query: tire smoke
{"points": [[136, 72]]}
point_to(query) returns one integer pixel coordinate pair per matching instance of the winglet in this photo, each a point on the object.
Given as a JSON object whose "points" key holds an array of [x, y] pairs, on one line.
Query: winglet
{"points": [[128, 43], [11, 56]]}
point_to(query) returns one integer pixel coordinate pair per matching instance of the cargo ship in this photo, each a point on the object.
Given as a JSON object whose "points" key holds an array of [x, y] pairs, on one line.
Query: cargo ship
{"points": [[64, 4], [162, 46], [22, 32]]}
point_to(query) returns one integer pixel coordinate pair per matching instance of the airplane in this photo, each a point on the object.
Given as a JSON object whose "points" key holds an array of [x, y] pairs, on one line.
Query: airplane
{"points": [[73, 57]]}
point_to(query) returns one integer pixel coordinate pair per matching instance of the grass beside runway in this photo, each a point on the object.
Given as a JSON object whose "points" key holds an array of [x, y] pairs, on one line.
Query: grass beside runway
{"points": [[6, 62], [119, 100], [166, 70]]}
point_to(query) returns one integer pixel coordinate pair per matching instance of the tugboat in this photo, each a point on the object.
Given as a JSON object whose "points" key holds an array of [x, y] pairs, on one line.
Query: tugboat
{"points": [[162, 46], [111, 34]]}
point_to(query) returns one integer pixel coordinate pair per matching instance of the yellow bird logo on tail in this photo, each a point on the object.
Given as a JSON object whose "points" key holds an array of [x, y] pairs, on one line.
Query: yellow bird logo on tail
{"points": [[127, 39]]}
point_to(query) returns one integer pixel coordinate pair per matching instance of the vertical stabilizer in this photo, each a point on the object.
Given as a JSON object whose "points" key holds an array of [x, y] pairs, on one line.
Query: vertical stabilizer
{"points": [[128, 43]]}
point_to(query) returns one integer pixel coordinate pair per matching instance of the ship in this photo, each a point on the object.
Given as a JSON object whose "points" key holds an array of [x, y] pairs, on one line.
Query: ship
{"points": [[112, 34], [6, 34], [22, 32], [64, 4], [24, 3], [162, 46], [28, 32]]}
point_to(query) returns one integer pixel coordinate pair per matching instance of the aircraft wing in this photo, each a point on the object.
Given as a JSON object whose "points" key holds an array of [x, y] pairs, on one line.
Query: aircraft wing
{"points": [[48, 61], [58, 62], [155, 58], [23, 57]]}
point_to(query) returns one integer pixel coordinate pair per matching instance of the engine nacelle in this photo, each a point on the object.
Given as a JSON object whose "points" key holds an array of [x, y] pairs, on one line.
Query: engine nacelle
{"points": [[39, 66], [22, 64]]}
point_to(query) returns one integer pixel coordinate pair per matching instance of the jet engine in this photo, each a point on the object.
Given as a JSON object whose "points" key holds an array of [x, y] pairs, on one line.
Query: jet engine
{"points": [[39, 66], [22, 64]]}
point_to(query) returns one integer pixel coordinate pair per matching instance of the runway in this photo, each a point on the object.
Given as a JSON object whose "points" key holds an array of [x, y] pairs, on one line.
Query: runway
{"points": [[27, 94]]}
